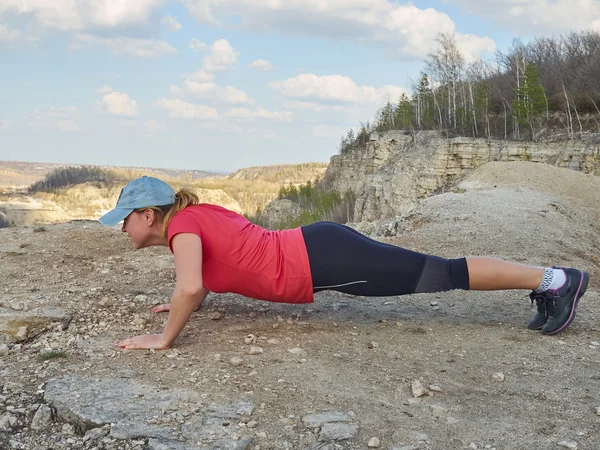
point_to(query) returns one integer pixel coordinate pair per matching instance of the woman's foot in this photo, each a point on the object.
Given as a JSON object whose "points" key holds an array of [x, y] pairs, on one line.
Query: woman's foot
{"points": [[556, 307]]}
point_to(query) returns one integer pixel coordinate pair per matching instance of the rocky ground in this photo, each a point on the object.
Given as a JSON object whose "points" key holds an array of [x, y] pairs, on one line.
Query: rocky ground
{"points": [[432, 371]]}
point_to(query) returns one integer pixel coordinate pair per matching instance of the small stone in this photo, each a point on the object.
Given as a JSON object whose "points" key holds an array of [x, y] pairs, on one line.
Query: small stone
{"points": [[261, 434], [568, 444], [215, 316], [435, 387], [141, 298], [138, 321], [7, 421], [255, 350], [473, 445], [252, 424], [373, 443], [4, 350], [42, 417], [95, 434], [498, 377], [273, 341], [433, 303], [418, 390], [295, 351], [373, 345], [594, 343], [250, 339], [598, 410], [236, 360]]}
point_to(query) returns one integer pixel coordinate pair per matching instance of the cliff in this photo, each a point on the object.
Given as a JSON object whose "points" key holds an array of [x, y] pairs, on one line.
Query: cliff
{"points": [[395, 170]]}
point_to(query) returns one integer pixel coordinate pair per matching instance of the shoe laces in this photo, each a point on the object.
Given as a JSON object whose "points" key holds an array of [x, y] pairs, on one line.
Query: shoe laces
{"points": [[544, 301]]}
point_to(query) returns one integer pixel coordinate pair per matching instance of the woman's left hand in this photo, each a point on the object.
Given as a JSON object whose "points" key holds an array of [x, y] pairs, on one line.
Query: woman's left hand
{"points": [[145, 341]]}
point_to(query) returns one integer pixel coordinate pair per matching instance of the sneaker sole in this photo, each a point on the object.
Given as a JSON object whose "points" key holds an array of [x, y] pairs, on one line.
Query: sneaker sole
{"points": [[583, 284]]}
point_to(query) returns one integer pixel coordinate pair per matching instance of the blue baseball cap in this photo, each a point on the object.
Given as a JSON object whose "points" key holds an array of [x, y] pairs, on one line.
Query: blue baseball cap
{"points": [[139, 193]]}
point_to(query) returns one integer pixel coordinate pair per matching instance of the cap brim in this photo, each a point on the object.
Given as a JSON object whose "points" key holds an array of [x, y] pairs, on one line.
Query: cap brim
{"points": [[113, 217]]}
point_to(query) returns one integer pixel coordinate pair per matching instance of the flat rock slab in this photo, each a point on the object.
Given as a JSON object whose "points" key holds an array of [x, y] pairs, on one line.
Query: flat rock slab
{"points": [[19, 326], [173, 419]]}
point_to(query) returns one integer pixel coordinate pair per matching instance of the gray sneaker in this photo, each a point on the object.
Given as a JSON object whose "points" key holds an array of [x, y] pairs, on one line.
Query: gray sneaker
{"points": [[556, 308]]}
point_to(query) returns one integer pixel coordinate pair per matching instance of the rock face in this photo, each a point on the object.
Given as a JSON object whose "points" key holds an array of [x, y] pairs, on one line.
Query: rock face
{"points": [[397, 170]]}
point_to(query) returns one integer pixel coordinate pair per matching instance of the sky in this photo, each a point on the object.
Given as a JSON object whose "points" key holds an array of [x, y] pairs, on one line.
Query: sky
{"points": [[226, 84]]}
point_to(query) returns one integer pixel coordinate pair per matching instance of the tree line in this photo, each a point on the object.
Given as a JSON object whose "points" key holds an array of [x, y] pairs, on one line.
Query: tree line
{"points": [[547, 85]]}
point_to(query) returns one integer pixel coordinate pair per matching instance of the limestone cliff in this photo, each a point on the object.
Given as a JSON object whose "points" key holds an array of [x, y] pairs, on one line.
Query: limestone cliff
{"points": [[396, 170]]}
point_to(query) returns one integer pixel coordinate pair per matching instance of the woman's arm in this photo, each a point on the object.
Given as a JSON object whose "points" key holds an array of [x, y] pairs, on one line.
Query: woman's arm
{"points": [[188, 293], [187, 296]]}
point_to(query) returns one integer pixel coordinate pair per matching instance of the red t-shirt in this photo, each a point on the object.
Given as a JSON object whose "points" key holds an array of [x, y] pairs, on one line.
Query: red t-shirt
{"points": [[240, 257]]}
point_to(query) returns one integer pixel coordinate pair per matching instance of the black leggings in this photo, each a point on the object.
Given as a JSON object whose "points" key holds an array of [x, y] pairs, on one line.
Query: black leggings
{"points": [[344, 260]]}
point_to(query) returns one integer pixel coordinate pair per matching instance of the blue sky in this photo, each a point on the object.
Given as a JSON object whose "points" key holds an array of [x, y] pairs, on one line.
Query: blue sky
{"points": [[226, 84]]}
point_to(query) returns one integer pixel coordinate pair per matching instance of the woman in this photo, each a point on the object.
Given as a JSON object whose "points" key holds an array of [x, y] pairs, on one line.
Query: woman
{"points": [[221, 251]]}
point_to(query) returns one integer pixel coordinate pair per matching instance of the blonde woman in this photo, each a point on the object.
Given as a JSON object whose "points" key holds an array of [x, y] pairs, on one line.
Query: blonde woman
{"points": [[221, 251]]}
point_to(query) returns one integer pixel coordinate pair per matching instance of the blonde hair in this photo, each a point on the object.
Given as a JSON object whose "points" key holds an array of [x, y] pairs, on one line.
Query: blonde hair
{"points": [[184, 197]]}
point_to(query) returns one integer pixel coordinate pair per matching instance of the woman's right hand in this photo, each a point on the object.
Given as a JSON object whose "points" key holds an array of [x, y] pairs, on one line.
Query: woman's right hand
{"points": [[166, 307]]}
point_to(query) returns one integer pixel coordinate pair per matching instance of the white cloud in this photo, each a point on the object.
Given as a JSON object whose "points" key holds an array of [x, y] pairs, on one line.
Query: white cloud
{"points": [[142, 48], [261, 64], [334, 88], [404, 29], [201, 76], [319, 107], [197, 45], [119, 104], [179, 109], [126, 123], [259, 113], [171, 23], [79, 15], [62, 118], [104, 90], [5, 124], [8, 34], [537, 16], [222, 56], [154, 126], [222, 127]]}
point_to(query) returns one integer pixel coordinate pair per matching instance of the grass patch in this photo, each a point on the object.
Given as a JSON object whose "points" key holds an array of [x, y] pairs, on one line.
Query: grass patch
{"points": [[53, 354]]}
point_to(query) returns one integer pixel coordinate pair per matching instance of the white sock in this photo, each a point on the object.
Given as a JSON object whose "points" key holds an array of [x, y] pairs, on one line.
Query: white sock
{"points": [[553, 279]]}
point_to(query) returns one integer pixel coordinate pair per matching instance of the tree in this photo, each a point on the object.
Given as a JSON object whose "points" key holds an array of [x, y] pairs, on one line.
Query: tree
{"points": [[530, 104], [404, 112]]}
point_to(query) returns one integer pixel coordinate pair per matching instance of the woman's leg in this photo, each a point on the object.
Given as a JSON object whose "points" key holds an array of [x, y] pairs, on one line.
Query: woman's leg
{"points": [[493, 274], [344, 260]]}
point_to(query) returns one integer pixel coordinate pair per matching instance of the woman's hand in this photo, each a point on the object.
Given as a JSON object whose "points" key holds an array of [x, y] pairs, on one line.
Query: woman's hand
{"points": [[145, 341], [166, 307]]}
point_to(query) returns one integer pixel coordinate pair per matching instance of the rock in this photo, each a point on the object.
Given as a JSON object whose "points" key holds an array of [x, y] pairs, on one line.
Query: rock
{"points": [[129, 408], [96, 433], [315, 420], [337, 431], [252, 424], [295, 351], [273, 341], [18, 327], [236, 360], [498, 377], [42, 418], [418, 390], [215, 316], [435, 388], [250, 339], [373, 345], [373, 443], [598, 410], [4, 350], [567, 444], [141, 298], [255, 350], [7, 422]]}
